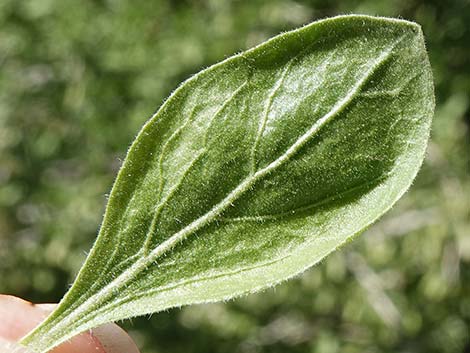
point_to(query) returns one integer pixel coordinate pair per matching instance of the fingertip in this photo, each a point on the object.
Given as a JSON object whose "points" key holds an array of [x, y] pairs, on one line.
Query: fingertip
{"points": [[18, 317], [11, 347]]}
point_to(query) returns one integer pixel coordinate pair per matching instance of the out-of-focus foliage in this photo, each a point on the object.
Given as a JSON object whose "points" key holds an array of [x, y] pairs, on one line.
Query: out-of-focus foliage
{"points": [[79, 78]]}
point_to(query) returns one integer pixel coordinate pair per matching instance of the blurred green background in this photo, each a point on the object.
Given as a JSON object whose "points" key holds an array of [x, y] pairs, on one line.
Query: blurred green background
{"points": [[79, 78]]}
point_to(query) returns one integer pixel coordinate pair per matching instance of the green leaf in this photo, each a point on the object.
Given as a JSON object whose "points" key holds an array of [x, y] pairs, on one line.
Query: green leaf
{"points": [[255, 169]]}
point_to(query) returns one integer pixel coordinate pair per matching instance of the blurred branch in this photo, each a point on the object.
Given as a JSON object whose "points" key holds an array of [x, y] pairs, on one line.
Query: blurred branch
{"points": [[372, 283]]}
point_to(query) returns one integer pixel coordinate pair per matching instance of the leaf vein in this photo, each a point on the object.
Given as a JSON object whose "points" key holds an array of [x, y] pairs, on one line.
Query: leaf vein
{"points": [[264, 118], [164, 201], [313, 205], [165, 148]]}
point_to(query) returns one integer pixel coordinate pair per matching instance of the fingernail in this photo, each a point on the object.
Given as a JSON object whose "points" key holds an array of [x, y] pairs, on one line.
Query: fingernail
{"points": [[114, 339]]}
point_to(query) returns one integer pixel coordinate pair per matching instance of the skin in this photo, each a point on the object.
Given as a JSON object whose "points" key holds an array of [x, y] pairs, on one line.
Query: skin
{"points": [[18, 317]]}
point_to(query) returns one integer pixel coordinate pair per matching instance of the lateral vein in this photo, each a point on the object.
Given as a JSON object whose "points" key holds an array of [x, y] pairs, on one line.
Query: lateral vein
{"points": [[264, 118], [269, 217]]}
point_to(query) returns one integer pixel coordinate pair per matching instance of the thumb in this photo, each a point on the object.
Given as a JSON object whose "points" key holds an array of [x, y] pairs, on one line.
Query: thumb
{"points": [[18, 317]]}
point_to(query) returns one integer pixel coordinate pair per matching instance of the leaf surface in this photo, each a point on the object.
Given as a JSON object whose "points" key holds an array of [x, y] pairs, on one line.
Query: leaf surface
{"points": [[255, 169]]}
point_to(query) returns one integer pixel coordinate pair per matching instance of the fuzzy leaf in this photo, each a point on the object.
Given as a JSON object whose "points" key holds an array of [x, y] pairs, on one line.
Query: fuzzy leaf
{"points": [[255, 169]]}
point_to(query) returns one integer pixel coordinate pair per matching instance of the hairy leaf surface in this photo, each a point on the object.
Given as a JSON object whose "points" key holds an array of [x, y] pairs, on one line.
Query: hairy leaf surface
{"points": [[255, 169]]}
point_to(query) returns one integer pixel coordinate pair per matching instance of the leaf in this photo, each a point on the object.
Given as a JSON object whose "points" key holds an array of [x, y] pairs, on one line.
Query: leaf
{"points": [[255, 169]]}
